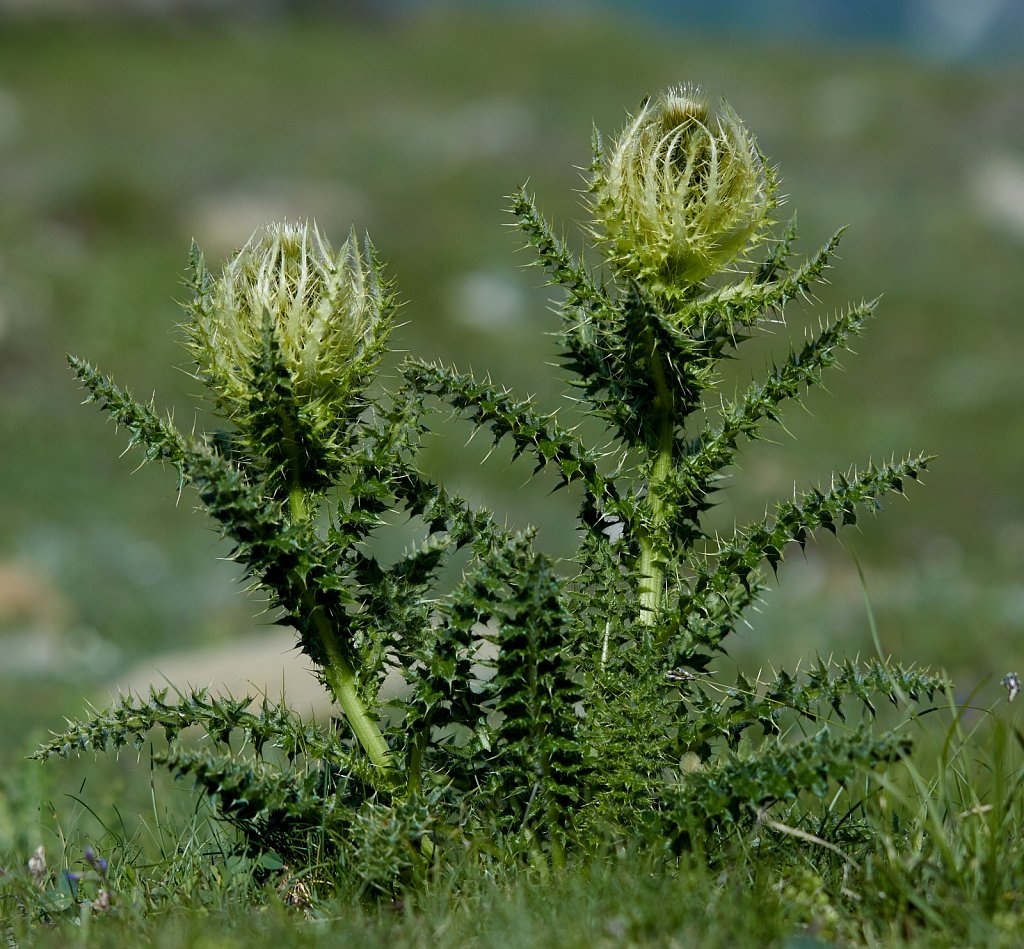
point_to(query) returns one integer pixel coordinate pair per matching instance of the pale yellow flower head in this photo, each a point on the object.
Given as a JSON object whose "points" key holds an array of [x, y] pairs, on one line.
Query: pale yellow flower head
{"points": [[683, 193], [323, 310]]}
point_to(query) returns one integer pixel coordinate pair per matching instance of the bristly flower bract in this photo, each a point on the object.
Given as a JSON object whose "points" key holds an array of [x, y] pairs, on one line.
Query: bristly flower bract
{"points": [[291, 316], [682, 193]]}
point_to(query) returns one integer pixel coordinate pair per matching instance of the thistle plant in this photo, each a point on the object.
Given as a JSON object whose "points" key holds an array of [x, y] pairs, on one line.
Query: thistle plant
{"points": [[546, 706]]}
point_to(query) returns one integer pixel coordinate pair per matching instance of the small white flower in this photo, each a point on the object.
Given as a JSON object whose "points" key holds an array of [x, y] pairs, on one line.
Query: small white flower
{"points": [[37, 865]]}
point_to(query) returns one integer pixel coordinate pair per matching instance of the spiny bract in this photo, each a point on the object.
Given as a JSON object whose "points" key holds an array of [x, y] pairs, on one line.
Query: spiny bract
{"points": [[682, 193]]}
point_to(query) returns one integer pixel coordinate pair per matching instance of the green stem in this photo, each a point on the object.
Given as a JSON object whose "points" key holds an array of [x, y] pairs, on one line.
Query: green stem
{"points": [[652, 574], [341, 678], [415, 761], [554, 825], [297, 504], [338, 670]]}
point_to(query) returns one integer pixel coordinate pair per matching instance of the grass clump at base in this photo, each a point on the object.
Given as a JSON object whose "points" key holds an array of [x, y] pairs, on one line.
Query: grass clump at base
{"points": [[930, 858]]}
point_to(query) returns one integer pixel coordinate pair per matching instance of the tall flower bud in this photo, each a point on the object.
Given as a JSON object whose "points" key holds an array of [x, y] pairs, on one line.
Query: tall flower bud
{"points": [[287, 337], [683, 194]]}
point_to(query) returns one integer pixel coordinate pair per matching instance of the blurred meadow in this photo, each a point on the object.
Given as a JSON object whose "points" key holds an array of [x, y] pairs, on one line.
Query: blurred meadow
{"points": [[121, 140]]}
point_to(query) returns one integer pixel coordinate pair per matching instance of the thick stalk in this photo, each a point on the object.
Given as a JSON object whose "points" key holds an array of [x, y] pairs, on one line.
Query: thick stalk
{"points": [[342, 679], [338, 670], [652, 573]]}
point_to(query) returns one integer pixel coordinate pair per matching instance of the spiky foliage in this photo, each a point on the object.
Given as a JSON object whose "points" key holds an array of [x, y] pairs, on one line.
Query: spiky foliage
{"points": [[542, 707]]}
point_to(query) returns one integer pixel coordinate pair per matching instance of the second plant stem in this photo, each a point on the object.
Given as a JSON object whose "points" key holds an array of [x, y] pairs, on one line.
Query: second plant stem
{"points": [[653, 540], [339, 673]]}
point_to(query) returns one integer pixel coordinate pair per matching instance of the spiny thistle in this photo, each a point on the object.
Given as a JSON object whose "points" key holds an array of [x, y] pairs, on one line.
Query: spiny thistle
{"points": [[545, 708]]}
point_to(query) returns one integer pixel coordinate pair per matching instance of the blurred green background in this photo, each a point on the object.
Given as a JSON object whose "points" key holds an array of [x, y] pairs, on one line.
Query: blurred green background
{"points": [[123, 138]]}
